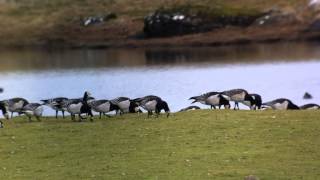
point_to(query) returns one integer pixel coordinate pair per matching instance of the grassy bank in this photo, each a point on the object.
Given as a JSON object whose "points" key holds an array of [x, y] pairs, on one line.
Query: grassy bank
{"points": [[38, 22], [191, 145]]}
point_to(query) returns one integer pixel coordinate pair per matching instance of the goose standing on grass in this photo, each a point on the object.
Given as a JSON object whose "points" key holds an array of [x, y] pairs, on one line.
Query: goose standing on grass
{"points": [[257, 101], [239, 95], [79, 106], [56, 104], [213, 99], [153, 103], [126, 105], [33, 109], [310, 106], [16, 105], [103, 106], [281, 104]]}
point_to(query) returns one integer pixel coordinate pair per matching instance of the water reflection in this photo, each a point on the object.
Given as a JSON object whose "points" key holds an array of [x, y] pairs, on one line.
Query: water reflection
{"points": [[35, 60]]}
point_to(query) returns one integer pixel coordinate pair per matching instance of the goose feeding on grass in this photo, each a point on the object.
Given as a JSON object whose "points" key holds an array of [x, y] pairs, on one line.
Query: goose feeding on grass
{"points": [[33, 109], [126, 105], [56, 104], [281, 104], [310, 106], [239, 95], [79, 106], [103, 106], [213, 99], [4, 109], [16, 105], [190, 108], [153, 103], [257, 101]]}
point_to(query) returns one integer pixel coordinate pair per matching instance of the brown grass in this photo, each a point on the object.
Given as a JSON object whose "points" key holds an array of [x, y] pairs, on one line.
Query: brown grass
{"points": [[30, 22]]}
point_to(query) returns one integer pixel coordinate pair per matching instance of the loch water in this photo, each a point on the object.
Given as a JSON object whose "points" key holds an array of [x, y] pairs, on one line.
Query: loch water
{"points": [[272, 70]]}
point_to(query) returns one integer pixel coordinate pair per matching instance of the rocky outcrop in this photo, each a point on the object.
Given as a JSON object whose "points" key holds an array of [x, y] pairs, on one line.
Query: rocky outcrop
{"points": [[87, 21], [171, 23], [277, 17]]}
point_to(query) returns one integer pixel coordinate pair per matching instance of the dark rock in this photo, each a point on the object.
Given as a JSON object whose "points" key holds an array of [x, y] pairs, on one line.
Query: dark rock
{"points": [[307, 96], [277, 17], [171, 23], [1, 90], [97, 19]]}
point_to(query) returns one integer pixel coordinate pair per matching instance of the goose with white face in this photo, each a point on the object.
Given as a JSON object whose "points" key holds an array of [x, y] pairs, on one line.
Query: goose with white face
{"points": [[281, 104]]}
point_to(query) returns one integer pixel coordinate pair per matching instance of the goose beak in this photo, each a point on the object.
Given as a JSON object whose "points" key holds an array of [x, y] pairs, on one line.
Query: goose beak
{"points": [[168, 114]]}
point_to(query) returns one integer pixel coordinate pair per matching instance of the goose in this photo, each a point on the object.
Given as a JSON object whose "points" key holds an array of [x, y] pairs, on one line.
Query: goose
{"points": [[213, 99], [103, 106], [16, 105], [126, 105], [56, 104], [79, 106], [4, 109], [310, 106], [190, 108], [257, 101], [239, 95], [33, 109], [281, 104], [153, 103]]}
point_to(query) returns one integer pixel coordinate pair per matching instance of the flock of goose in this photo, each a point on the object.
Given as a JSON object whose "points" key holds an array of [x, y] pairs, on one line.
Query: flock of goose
{"points": [[150, 103]]}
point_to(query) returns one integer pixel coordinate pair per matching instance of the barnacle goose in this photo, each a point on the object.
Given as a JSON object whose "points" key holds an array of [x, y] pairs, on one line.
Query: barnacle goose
{"points": [[126, 105], [4, 109], [257, 101], [213, 99], [281, 104], [190, 108], [56, 104], [103, 106], [16, 105], [310, 106], [239, 95], [33, 109], [79, 106], [153, 103]]}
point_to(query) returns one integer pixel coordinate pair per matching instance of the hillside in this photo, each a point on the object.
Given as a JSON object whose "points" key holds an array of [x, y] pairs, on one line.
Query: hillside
{"points": [[58, 22], [190, 145]]}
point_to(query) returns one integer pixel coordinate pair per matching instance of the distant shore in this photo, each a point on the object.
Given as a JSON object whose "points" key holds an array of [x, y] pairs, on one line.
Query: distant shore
{"points": [[55, 24]]}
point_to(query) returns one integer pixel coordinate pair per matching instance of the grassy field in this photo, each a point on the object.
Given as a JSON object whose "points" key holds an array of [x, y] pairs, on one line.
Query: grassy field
{"points": [[190, 145]]}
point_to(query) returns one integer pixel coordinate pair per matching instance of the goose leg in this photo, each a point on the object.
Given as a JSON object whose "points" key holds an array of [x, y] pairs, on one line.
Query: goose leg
{"points": [[11, 115], [56, 114], [100, 114], [63, 114], [91, 115]]}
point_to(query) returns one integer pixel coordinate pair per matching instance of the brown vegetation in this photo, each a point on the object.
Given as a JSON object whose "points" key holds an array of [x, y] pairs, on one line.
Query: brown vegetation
{"points": [[57, 23]]}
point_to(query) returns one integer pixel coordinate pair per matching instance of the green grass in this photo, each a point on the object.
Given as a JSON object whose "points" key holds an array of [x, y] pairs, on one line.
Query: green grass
{"points": [[191, 145]]}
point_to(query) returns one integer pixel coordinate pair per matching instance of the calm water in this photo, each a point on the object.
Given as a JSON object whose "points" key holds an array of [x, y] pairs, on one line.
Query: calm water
{"points": [[272, 70]]}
